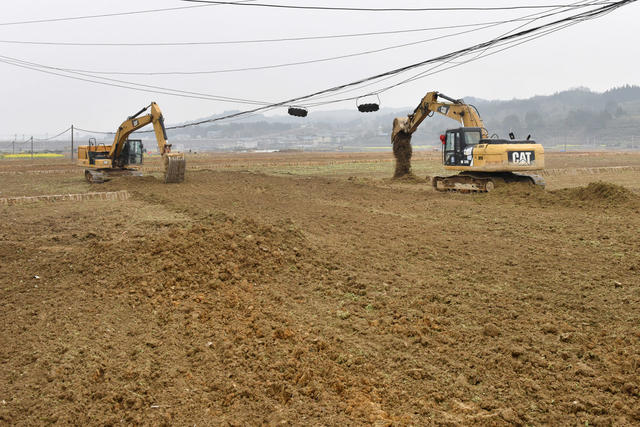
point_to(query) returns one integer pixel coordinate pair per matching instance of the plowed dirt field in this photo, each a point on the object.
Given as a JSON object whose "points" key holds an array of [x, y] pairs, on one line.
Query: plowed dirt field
{"points": [[310, 289]]}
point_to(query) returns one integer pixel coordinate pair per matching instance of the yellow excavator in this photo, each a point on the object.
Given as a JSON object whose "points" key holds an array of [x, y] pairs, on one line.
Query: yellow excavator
{"points": [[124, 156], [483, 161]]}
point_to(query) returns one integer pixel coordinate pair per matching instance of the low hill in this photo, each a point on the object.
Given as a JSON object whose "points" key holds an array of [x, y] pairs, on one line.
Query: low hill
{"points": [[574, 117]]}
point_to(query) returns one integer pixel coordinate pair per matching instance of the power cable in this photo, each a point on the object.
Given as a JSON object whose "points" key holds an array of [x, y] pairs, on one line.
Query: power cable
{"points": [[529, 18], [53, 137], [163, 90], [582, 3], [290, 64], [532, 31], [513, 43], [512, 37], [283, 65], [26, 141], [108, 15], [25, 64], [88, 76], [431, 71], [173, 127], [17, 64], [394, 9], [93, 131], [521, 34], [122, 83], [253, 41], [434, 70]]}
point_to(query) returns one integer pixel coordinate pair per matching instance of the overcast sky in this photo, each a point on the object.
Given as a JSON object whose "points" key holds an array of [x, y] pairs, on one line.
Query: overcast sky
{"points": [[598, 54]]}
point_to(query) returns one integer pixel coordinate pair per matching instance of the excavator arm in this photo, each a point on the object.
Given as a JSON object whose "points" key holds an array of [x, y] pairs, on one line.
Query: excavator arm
{"points": [[174, 163], [135, 122], [455, 109]]}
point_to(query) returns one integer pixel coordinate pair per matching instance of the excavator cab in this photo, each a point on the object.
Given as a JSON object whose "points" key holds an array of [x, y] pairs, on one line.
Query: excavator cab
{"points": [[132, 152], [458, 145]]}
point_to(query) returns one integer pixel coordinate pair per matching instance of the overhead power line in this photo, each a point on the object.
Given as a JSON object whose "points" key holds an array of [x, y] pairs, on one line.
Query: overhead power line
{"points": [[478, 47], [28, 140], [478, 27], [481, 47], [84, 76], [52, 137], [432, 70], [268, 40], [109, 15], [253, 41], [438, 68], [387, 9], [93, 131], [483, 53], [281, 65], [510, 38], [89, 76], [105, 81]]}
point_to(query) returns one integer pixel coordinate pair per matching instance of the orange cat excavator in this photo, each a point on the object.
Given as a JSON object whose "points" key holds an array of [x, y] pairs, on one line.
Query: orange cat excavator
{"points": [[124, 156]]}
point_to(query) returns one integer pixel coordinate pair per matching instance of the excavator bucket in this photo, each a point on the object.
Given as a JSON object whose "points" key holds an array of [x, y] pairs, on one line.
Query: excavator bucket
{"points": [[399, 125], [174, 167]]}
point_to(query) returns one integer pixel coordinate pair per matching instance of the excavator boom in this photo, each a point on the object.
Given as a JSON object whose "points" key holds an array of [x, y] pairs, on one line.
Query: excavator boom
{"points": [[455, 109]]}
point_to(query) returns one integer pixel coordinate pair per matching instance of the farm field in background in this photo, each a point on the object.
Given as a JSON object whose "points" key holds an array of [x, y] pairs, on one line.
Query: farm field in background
{"points": [[309, 288]]}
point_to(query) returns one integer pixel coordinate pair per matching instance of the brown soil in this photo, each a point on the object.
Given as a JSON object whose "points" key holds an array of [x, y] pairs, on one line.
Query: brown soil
{"points": [[249, 298], [402, 151], [599, 192]]}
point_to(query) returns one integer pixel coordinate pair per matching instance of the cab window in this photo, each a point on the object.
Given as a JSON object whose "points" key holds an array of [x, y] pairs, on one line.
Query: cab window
{"points": [[472, 137], [450, 143]]}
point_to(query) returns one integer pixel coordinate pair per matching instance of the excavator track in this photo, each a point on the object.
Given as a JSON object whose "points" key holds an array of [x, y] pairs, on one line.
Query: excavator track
{"points": [[479, 182], [463, 184], [98, 176], [94, 176], [174, 167]]}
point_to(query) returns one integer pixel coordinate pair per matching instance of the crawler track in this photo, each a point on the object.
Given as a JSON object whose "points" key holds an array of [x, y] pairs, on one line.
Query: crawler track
{"points": [[479, 182]]}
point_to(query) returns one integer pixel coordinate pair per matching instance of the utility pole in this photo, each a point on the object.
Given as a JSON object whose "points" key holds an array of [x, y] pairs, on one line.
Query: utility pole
{"points": [[31, 148], [71, 143], [13, 145]]}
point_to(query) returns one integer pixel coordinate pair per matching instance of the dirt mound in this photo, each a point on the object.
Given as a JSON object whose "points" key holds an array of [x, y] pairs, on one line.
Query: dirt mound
{"points": [[209, 256], [595, 195], [204, 297], [598, 192], [402, 151]]}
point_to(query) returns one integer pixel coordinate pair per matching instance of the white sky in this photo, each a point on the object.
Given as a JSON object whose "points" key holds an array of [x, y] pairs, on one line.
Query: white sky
{"points": [[598, 54]]}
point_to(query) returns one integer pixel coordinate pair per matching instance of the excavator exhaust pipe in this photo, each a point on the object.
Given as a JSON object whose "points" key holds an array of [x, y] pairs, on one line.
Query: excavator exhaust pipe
{"points": [[174, 167]]}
